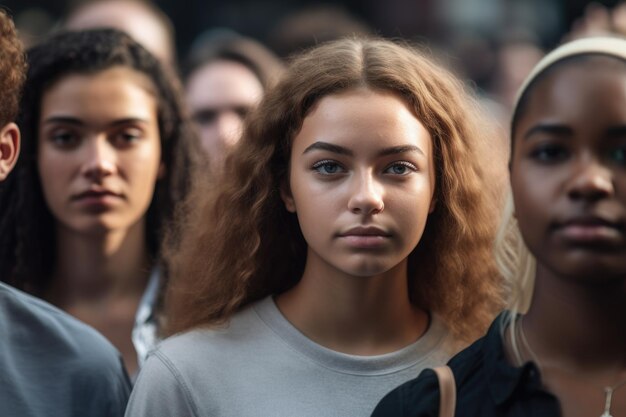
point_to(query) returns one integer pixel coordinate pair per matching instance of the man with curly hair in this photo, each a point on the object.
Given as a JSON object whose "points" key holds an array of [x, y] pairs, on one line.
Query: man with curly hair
{"points": [[51, 363], [12, 70]]}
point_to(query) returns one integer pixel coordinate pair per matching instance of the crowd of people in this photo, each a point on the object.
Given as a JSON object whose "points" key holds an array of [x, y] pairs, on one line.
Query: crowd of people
{"points": [[346, 232]]}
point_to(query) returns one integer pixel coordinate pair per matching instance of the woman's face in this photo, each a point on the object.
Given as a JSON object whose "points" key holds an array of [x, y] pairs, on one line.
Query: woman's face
{"points": [[568, 171], [361, 181], [99, 151]]}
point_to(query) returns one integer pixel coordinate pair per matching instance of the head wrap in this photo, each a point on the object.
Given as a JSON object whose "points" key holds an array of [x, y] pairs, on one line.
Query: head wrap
{"points": [[603, 45]]}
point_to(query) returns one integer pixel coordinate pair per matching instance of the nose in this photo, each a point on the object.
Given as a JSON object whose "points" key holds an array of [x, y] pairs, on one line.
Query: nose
{"points": [[366, 196], [229, 128], [99, 160], [591, 181]]}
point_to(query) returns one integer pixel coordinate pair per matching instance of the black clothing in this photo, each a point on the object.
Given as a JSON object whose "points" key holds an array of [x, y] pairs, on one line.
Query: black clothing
{"points": [[487, 385]]}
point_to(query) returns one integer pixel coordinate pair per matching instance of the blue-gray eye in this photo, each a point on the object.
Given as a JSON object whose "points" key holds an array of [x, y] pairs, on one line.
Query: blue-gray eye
{"points": [[327, 167], [400, 168]]}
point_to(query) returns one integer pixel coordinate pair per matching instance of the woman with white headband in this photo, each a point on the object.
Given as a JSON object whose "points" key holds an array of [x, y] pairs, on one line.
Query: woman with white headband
{"points": [[562, 245]]}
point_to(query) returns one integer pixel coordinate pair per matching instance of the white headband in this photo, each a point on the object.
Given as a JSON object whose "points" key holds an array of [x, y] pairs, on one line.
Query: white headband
{"points": [[604, 45]]}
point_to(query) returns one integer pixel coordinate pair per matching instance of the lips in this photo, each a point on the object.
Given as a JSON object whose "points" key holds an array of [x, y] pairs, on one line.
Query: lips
{"points": [[365, 237], [365, 231], [95, 193], [591, 229]]}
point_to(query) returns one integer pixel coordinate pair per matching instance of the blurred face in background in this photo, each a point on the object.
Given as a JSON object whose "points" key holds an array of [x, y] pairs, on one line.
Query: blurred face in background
{"points": [[132, 17], [219, 95]]}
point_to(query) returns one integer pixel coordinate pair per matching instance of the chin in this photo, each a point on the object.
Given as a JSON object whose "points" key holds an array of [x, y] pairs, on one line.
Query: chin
{"points": [[596, 274], [367, 269], [98, 226]]}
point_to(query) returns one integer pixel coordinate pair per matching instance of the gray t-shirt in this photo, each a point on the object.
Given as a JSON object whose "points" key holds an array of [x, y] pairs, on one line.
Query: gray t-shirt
{"points": [[53, 365], [261, 365]]}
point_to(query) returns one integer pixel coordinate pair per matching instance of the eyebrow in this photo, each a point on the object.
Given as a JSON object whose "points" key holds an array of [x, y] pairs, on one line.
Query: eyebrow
{"points": [[553, 129], [400, 149], [393, 150], [616, 132], [78, 122], [561, 130]]}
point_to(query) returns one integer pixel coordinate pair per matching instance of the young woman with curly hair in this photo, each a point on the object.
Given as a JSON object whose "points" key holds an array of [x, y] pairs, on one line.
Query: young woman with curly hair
{"points": [[106, 154], [561, 348], [345, 248]]}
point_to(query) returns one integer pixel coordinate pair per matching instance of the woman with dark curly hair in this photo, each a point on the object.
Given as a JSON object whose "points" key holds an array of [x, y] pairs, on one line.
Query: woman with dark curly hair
{"points": [[106, 155], [346, 247], [51, 363]]}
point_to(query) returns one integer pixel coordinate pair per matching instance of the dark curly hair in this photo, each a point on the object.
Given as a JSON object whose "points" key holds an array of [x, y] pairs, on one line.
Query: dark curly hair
{"points": [[12, 69], [26, 224]]}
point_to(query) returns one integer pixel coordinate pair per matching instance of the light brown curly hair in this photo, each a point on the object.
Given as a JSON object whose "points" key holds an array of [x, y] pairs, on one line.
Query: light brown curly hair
{"points": [[240, 244], [12, 69]]}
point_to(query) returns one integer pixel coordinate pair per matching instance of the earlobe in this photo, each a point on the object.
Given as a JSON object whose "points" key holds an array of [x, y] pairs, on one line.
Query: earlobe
{"points": [[9, 148], [285, 195]]}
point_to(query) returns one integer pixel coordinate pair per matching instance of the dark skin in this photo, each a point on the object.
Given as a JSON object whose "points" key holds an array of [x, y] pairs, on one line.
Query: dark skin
{"points": [[568, 176]]}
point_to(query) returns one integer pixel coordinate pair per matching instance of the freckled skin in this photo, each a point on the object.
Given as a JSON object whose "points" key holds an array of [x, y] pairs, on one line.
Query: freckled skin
{"points": [[112, 143], [332, 192]]}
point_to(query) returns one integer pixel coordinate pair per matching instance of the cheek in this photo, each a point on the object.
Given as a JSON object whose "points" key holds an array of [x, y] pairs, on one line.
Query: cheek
{"points": [[144, 162], [532, 207], [52, 169], [412, 210]]}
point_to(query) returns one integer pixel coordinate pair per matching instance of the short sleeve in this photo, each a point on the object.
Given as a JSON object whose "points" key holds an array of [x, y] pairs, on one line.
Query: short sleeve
{"points": [[416, 398], [160, 391]]}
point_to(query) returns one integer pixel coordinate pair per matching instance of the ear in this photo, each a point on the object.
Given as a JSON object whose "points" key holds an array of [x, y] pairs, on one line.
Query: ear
{"points": [[9, 148], [285, 195]]}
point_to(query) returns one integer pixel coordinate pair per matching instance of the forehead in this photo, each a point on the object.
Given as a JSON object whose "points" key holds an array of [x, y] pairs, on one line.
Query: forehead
{"points": [[362, 119], [113, 91], [585, 90], [223, 81]]}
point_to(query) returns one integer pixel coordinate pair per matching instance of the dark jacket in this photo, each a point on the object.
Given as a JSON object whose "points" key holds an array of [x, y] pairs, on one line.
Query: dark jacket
{"points": [[487, 386]]}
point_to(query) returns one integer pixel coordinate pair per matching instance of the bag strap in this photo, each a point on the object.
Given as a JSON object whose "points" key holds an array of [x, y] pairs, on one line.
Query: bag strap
{"points": [[447, 390]]}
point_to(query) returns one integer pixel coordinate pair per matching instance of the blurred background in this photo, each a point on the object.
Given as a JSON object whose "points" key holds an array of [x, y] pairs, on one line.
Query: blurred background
{"points": [[491, 43], [440, 21]]}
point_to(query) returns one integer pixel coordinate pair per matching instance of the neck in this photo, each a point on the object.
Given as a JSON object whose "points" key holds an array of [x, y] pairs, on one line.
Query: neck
{"points": [[109, 265], [354, 314], [577, 326]]}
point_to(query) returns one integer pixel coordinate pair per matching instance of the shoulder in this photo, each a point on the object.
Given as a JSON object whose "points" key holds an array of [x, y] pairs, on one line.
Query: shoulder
{"points": [[181, 376], [194, 353], [220, 340], [42, 343], [162, 390], [420, 396], [188, 371], [34, 322]]}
